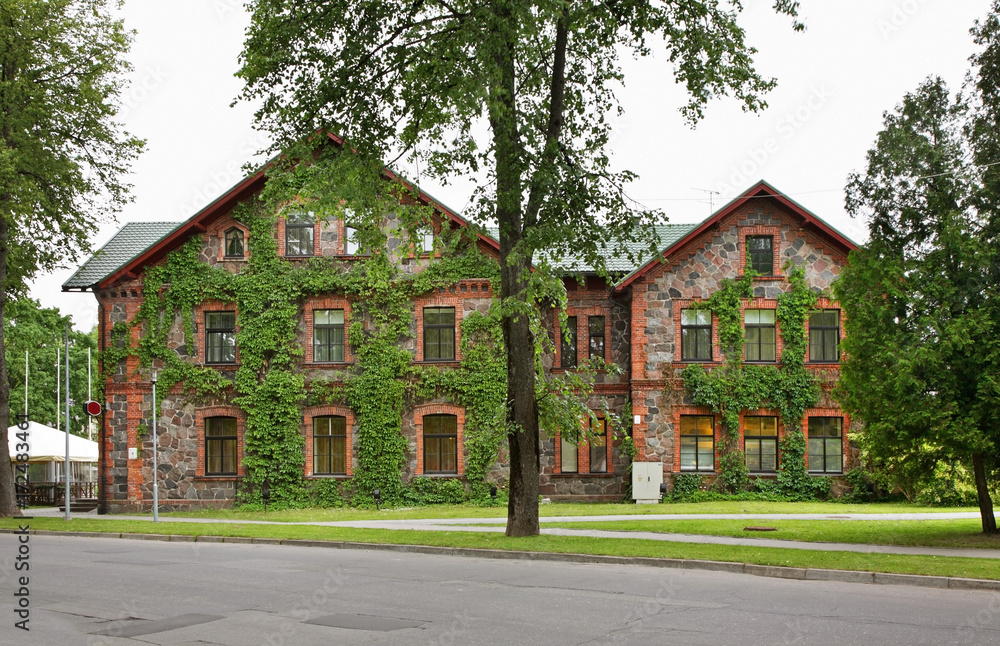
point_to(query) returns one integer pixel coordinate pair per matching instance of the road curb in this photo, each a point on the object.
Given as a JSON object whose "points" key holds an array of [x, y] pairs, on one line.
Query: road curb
{"points": [[771, 571]]}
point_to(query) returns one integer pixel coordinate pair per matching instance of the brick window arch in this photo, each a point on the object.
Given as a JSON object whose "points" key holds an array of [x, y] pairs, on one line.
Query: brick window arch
{"points": [[215, 440], [327, 412], [437, 443]]}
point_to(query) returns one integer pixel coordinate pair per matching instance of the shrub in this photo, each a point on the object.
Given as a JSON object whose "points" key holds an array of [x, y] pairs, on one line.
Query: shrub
{"points": [[434, 491]]}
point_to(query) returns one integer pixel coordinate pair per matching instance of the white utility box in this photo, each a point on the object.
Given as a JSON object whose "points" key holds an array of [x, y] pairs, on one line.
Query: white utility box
{"points": [[646, 480]]}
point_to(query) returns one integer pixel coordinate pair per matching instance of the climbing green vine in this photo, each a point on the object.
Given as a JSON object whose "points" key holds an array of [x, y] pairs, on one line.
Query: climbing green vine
{"points": [[734, 386]]}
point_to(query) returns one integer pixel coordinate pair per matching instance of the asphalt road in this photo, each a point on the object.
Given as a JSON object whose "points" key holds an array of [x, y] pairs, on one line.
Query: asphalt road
{"points": [[113, 591]]}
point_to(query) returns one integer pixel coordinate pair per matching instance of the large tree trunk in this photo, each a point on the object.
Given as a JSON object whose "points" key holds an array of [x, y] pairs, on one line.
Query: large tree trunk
{"points": [[8, 493], [515, 264], [985, 502]]}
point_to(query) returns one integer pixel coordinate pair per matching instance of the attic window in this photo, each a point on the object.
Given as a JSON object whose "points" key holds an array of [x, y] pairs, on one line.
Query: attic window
{"points": [[234, 243]]}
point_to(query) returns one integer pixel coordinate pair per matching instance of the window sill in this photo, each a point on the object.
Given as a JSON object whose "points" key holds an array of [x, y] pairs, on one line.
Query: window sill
{"points": [[329, 476], [234, 259], [328, 364], [822, 363], [447, 362], [772, 277], [825, 473], [701, 361], [219, 478], [445, 476]]}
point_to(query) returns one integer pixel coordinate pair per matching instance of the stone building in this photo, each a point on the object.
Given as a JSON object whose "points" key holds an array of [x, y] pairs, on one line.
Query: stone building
{"points": [[636, 320]]}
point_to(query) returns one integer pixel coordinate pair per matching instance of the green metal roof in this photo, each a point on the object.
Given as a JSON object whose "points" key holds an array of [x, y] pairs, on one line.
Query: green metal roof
{"points": [[130, 241], [666, 234]]}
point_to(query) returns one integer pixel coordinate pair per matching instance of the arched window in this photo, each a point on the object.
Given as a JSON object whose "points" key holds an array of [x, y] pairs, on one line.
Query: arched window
{"points": [[234, 243], [330, 445]]}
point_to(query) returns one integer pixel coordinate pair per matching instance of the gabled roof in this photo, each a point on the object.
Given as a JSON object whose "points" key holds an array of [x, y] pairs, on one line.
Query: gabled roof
{"points": [[130, 255], [130, 241], [759, 190]]}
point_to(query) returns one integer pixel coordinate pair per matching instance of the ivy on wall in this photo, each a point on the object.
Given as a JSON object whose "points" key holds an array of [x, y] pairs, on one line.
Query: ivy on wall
{"points": [[735, 386]]}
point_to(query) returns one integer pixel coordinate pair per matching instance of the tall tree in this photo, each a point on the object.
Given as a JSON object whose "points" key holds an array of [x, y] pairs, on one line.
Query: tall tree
{"points": [[538, 78], [62, 154], [921, 336]]}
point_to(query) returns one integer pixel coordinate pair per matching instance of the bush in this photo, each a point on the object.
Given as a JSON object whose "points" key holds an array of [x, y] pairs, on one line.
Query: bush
{"points": [[434, 491], [326, 493], [952, 486]]}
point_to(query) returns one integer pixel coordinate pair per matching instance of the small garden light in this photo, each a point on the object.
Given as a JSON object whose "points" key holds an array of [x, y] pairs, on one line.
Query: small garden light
{"points": [[493, 493], [377, 494], [265, 493]]}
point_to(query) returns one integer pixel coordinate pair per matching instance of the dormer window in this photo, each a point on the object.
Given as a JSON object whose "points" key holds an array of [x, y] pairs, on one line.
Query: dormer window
{"points": [[234, 243]]}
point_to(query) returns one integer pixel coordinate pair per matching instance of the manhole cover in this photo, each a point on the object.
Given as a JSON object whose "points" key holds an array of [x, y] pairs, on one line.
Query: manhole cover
{"points": [[365, 622]]}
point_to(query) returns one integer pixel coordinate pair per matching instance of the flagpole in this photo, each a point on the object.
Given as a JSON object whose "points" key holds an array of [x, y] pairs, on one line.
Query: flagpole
{"points": [[25, 385], [89, 431], [58, 379], [68, 477]]}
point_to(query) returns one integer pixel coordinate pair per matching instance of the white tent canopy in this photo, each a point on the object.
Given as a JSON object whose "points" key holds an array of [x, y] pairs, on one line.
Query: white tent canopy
{"points": [[46, 444]]}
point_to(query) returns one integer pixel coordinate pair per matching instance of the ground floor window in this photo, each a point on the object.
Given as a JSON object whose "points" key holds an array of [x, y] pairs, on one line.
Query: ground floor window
{"points": [[220, 446], [330, 445], [826, 446], [440, 444], [697, 443], [760, 441]]}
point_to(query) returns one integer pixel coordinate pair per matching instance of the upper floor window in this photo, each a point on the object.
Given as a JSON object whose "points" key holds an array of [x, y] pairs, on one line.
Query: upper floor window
{"points": [[696, 335], [595, 326], [234, 243], [697, 443], [439, 333], [760, 441], [220, 337], [440, 444], [824, 336], [568, 357], [760, 254], [826, 448], [425, 237], [299, 231], [761, 335], [328, 335], [351, 247], [330, 445], [220, 446], [598, 442]]}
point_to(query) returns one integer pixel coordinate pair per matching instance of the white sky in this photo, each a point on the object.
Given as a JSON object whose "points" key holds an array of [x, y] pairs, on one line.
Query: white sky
{"points": [[856, 59]]}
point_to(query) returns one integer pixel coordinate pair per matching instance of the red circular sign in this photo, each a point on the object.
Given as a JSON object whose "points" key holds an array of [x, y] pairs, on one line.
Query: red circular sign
{"points": [[93, 408]]}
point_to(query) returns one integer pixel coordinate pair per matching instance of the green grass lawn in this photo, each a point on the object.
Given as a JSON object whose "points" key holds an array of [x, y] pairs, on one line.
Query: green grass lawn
{"points": [[941, 566], [929, 533], [565, 509]]}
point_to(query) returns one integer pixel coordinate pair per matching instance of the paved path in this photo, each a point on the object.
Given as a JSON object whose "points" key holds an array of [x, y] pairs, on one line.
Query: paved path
{"points": [[496, 525]]}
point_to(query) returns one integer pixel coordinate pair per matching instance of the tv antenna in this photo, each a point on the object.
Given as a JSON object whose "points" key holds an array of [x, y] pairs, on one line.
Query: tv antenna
{"points": [[711, 200]]}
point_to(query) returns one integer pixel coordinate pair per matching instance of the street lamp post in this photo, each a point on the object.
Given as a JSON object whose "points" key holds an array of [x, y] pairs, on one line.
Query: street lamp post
{"points": [[156, 491]]}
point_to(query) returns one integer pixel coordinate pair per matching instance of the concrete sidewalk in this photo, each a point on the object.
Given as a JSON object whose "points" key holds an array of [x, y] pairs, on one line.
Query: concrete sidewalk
{"points": [[496, 525]]}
